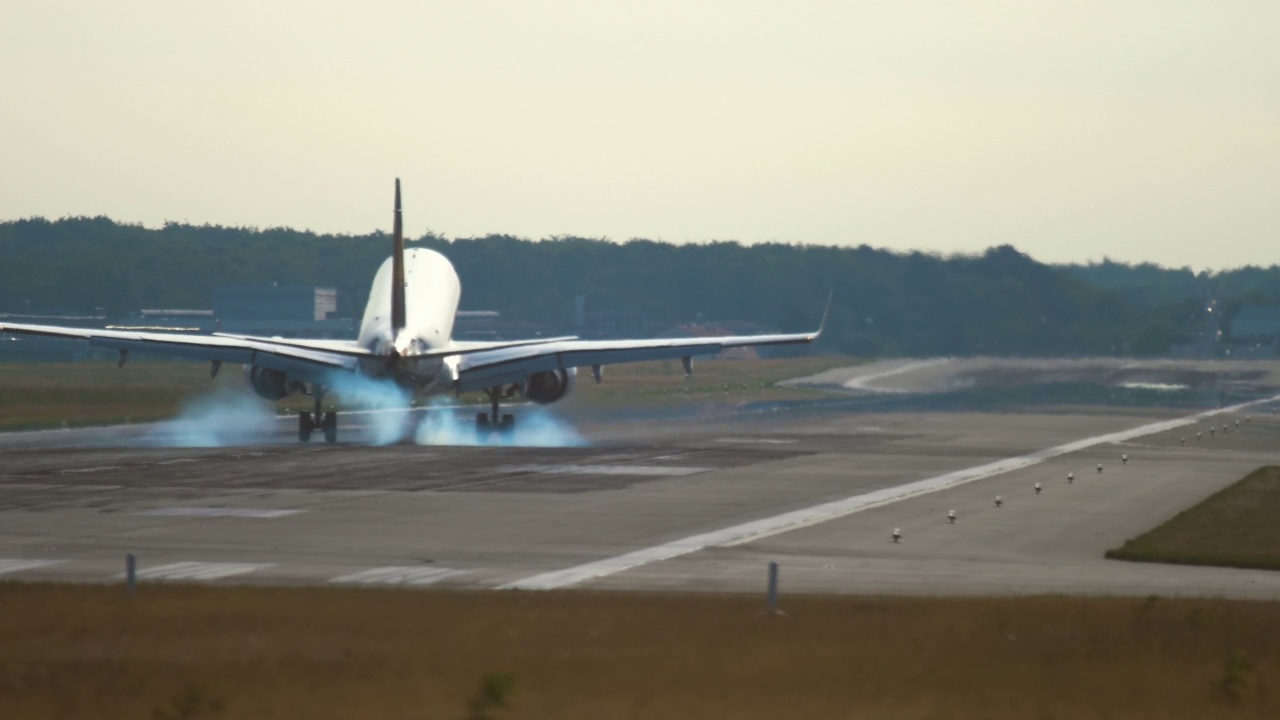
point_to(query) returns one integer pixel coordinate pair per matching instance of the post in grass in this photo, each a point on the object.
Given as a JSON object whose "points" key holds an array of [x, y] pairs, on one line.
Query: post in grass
{"points": [[131, 574], [773, 589]]}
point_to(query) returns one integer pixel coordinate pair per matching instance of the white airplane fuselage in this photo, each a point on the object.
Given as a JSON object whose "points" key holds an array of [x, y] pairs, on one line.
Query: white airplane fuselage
{"points": [[432, 292]]}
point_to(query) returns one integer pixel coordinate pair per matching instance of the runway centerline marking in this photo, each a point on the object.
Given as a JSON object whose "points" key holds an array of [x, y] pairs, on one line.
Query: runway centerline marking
{"points": [[9, 565], [220, 512], [805, 517], [198, 570]]}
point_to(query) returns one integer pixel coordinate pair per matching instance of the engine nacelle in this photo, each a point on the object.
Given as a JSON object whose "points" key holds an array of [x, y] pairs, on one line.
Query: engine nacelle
{"points": [[267, 383], [549, 386]]}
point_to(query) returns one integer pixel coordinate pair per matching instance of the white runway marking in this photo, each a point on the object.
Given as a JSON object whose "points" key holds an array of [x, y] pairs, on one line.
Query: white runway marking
{"points": [[654, 470], [220, 512], [10, 565], [755, 441], [399, 576], [90, 469], [198, 570], [862, 383], [756, 529]]}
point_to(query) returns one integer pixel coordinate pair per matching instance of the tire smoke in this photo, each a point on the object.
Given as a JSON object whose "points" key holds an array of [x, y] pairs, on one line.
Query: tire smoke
{"points": [[376, 409], [536, 426], [221, 418]]}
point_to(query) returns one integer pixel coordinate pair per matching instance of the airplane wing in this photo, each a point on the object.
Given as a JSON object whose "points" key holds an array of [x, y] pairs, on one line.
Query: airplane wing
{"points": [[351, 348], [303, 358], [341, 347], [263, 353], [482, 370]]}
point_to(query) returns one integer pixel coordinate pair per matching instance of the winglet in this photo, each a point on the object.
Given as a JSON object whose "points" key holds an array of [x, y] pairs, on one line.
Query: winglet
{"points": [[823, 325], [397, 269]]}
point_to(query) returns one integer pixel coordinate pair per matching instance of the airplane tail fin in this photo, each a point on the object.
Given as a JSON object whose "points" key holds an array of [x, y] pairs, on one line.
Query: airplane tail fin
{"points": [[397, 270]]}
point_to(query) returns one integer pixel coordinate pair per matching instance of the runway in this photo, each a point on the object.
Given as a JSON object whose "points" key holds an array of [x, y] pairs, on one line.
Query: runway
{"points": [[73, 503]]}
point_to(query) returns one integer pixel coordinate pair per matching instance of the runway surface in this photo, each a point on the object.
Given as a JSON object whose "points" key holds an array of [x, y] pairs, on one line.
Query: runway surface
{"points": [[692, 504]]}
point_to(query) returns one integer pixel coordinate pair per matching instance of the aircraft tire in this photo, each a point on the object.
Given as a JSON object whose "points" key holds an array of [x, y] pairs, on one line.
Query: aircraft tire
{"points": [[508, 424], [330, 427], [305, 427]]}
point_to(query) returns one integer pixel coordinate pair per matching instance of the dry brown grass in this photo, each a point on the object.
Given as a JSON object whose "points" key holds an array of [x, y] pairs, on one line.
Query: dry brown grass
{"points": [[174, 651], [1235, 527]]}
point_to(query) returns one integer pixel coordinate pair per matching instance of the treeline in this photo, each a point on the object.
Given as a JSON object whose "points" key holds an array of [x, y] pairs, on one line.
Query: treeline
{"points": [[1000, 301]]}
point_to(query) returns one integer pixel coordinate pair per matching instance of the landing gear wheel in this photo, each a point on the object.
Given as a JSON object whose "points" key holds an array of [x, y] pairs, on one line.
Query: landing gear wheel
{"points": [[313, 421], [508, 424], [483, 427]]}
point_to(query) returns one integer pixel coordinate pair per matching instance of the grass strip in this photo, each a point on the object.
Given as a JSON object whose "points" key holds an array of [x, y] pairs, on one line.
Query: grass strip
{"points": [[69, 651], [1234, 527]]}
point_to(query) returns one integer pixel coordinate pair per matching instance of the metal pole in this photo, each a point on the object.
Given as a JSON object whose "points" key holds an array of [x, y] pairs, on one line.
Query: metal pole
{"points": [[773, 587], [131, 574]]}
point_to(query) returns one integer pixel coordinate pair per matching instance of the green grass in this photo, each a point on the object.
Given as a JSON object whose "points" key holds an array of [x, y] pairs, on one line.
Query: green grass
{"points": [[1236, 527]]}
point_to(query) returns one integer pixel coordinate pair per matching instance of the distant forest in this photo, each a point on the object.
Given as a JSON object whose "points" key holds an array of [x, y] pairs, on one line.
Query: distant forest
{"points": [[998, 302]]}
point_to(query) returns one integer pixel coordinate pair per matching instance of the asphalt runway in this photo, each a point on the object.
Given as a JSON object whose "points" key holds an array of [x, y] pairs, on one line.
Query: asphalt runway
{"points": [[688, 504]]}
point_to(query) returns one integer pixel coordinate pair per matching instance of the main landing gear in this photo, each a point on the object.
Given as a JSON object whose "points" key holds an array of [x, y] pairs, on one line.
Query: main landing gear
{"points": [[311, 422], [492, 421]]}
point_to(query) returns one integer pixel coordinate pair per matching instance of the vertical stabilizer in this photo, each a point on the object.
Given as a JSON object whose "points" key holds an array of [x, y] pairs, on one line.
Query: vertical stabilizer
{"points": [[397, 270]]}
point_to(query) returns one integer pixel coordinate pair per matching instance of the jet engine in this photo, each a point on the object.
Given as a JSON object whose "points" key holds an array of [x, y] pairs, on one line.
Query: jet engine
{"points": [[267, 383], [549, 386]]}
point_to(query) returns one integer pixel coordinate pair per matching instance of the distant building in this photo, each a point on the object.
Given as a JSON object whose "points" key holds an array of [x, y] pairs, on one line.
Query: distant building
{"points": [[1255, 333], [296, 303], [297, 311], [1256, 322], [168, 320]]}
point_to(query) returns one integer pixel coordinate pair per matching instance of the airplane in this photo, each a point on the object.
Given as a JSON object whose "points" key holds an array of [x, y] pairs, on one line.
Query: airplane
{"points": [[406, 337]]}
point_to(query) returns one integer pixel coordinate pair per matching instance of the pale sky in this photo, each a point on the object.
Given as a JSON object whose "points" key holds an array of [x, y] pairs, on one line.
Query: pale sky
{"points": [[1142, 131]]}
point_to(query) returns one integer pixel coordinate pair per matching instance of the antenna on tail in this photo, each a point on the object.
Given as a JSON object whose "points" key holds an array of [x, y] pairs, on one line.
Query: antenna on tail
{"points": [[397, 270]]}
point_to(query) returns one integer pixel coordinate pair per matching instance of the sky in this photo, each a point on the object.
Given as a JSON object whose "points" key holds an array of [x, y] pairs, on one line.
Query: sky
{"points": [[1074, 131]]}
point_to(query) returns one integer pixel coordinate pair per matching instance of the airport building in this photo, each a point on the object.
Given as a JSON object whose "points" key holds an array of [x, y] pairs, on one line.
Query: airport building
{"points": [[297, 311], [1255, 332]]}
